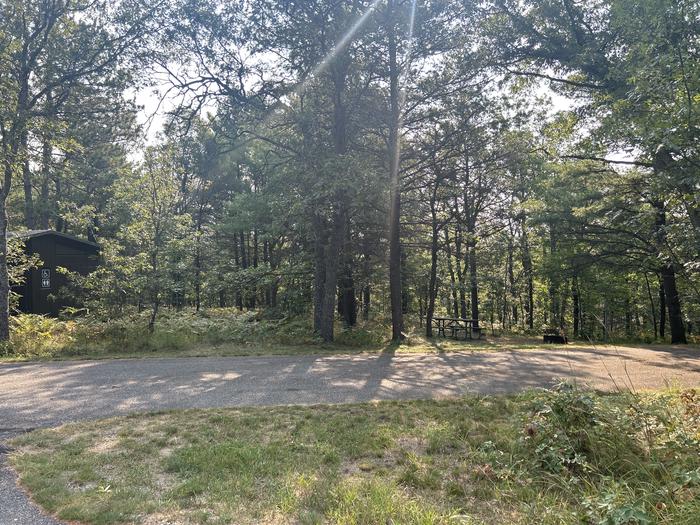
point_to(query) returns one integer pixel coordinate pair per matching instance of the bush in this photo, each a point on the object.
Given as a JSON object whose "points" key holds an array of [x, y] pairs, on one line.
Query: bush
{"points": [[360, 336], [633, 450], [38, 336]]}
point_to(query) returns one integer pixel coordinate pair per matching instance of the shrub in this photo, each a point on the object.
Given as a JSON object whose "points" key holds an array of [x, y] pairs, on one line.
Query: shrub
{"points": [[37, 336], [633, 449], [360, 336]]}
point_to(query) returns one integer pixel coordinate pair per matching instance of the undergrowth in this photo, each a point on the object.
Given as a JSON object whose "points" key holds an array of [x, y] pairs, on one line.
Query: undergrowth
{"points": [[35, 336]]}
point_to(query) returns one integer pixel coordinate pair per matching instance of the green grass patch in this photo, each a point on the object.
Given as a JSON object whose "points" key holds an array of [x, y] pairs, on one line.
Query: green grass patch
{"points": [[222, 332], [560, 456]]}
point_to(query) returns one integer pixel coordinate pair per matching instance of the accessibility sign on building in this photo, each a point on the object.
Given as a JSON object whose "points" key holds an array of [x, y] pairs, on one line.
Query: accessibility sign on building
{"points": [[45, 278]]}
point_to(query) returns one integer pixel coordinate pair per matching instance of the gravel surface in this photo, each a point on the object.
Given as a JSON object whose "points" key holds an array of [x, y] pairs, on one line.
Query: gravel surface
{"points": [[49, 394], [15, 508]]}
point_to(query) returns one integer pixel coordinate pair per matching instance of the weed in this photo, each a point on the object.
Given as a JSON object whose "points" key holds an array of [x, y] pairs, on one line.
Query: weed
{"points": [[549, 457]]}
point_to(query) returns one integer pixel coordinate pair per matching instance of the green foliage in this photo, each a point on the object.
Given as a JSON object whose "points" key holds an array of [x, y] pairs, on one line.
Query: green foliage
{"points": [[35, 336], [623, 445], [367, 335], [38, 336], [19, 263], [284, 184]]}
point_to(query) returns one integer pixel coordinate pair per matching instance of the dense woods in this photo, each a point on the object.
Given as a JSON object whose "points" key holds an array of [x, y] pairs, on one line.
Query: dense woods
{"points": [[528, 164]]}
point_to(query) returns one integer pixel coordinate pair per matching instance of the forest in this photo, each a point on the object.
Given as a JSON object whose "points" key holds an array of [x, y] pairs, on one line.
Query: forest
{"points": [[530, 164]]}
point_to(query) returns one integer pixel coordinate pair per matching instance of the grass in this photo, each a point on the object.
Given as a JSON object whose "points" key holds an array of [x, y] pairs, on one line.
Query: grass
{"points": [[561, 456], [262, 348], [220, 333]]}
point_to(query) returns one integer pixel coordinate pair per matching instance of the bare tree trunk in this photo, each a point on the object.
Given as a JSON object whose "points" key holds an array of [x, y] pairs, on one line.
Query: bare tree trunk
{"points": [[576, 300], [155, 290], [653, 307], [29, 219], [44, 205], [432, 285], [61, 224], [460, 272], [320, 238], [473, 277], [332, 259], [529, 304], [198, 266], [668, 280], [237, 259], [366, 301], [662, 309], [367, 288], [450, 270], [347, 304], [553, 288], [4, 275], [394, 183], [11, 156], [675, 314], [511, 281]]}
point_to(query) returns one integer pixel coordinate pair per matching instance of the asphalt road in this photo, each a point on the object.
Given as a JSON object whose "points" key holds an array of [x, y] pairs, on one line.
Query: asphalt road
{"points": [[48, 394]]}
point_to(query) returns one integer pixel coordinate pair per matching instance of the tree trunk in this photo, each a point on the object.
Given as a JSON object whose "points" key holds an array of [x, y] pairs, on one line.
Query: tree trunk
{"points": [[155, 290], [348, 300], [673, 303], [60, 223], [266, 262], [553, 288], [662, 309], [367, 288], [198, 267], [511, 281], [460, 272], [320, 238], [332, 259], [29, 219], [4, 275], [576, 300], [432, 285], [473, 279], [668, 279], [394, 183], [450, 270], [346, 285], [44, 205], [653, 307], [366, 301], [529, 304], [237, 260], [154, 314]]}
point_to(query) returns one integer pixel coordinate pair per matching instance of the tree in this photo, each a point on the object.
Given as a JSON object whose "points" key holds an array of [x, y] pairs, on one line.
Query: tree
{"points": [[91, 39]]}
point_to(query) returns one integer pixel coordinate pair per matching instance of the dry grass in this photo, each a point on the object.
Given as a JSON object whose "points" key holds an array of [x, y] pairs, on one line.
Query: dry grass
{"points": [[423, 462]]}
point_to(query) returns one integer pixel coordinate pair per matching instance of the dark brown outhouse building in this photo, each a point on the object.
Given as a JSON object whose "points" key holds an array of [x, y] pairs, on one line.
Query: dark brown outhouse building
{"points": [[40, 293]]}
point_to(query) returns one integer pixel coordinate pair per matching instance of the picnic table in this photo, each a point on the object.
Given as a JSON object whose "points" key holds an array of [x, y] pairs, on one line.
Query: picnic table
{"points": [[456, 326]]}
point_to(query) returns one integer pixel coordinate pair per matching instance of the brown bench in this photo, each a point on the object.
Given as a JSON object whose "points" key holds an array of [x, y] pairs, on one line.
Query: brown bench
{"points": [[456, 326]]}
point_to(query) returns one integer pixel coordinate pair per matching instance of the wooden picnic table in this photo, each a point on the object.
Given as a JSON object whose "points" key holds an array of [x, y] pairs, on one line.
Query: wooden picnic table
{"points": [[454, 326]]}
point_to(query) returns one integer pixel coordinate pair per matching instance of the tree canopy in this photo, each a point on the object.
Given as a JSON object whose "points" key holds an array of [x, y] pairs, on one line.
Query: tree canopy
{"points": [[530, 165]]}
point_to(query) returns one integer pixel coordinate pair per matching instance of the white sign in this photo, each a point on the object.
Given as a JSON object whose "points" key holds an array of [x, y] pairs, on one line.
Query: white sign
{"points": [[45, 278]]}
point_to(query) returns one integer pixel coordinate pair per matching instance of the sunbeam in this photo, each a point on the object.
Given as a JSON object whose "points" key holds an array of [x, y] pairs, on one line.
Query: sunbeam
{"points": [[316, 71], [339, 46]]}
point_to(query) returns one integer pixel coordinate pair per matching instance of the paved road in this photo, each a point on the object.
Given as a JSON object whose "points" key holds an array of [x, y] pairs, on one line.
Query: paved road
{"points": [[47, 394]]}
